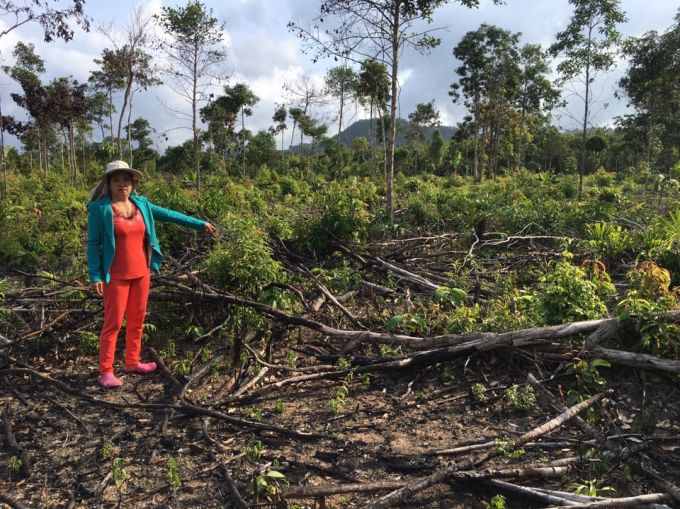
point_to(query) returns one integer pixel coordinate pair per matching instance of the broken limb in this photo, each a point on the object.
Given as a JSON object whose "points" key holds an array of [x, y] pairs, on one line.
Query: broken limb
{"points": [[470, 463]]}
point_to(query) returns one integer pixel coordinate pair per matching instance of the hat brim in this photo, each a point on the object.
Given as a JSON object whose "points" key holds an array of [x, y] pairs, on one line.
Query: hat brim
{"points": [[136, 174]]}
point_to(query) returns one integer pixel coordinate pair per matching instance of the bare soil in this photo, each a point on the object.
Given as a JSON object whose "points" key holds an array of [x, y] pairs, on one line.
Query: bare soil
{"points": [[388, 427]]}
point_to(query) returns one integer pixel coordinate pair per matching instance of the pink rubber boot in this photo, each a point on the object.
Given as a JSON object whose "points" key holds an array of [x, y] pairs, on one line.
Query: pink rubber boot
{"points": [[109, 381], [142, 367]]}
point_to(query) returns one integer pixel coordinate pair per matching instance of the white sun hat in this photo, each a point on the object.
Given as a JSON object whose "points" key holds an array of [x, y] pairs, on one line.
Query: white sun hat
{"points": [[114, 166], [102, 189]]}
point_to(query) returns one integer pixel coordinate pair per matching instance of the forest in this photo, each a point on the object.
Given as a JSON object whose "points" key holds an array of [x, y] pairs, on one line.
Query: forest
{"points": [[396, 314]]}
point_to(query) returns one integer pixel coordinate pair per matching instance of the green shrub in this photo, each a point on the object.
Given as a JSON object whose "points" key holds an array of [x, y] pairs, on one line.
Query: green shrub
{"points": [[421, 212], [242, 259], [568, 295]]}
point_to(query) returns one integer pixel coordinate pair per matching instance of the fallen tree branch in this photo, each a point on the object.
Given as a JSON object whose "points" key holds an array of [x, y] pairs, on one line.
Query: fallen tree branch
{"points": [[636, 360], [470, 463]]}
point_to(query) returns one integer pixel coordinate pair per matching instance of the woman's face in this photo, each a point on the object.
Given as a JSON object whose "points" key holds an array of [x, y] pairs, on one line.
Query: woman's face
{"points": [[120, 184]]}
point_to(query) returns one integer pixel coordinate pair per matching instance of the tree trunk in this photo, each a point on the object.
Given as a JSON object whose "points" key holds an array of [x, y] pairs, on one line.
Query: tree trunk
{"points": [[194, 102], [122, 116], [2, 152], [475, 159], [393, 111], [243, 139], [129, 131], [342, 104], [521, 133]]}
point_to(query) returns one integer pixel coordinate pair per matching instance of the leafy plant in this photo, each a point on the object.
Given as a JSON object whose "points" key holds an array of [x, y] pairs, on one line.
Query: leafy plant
{"points": [[338, 400], [568, 295], [15, 464], [118, 473], [648, 298], [408, 322], [445, 296], [592, 488], [521, 399], [254, 452], [243, 258], [588, 376], [271, 482], [173, 475], [89, 342], [105, 450], [478, 391], [183, 366], [280, 405], [506, 447], [253, 413], [496, 502]]}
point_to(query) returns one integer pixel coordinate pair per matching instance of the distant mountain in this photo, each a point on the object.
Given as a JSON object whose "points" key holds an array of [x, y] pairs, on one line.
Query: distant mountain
{"points": [[361, 128]]}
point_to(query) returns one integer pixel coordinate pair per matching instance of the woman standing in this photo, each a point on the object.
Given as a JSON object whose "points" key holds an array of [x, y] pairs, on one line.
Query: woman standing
{"points": [[121, 249]]}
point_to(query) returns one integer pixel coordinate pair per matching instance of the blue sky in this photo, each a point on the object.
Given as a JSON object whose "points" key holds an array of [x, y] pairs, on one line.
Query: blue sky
{"points": [[262, 53]]}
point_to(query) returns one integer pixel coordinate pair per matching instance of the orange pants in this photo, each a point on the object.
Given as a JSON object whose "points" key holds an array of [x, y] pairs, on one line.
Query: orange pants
{"points": [[121, 295]]}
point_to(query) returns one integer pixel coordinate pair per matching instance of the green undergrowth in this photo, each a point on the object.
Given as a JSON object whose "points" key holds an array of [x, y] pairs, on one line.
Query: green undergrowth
{"points": [[615, 229]]}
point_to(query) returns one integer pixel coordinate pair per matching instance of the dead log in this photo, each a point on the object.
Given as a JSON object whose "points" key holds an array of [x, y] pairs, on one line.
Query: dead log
{"points": [[636, 360], [535, 495], [405, 275], [297, 492], [640, 501], [470, 463]]}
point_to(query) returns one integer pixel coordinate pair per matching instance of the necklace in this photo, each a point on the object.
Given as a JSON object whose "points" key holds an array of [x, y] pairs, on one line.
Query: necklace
{"points": [[120, 213]]}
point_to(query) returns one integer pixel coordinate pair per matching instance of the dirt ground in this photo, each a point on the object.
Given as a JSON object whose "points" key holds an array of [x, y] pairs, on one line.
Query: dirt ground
{"points": [[388, 427]]}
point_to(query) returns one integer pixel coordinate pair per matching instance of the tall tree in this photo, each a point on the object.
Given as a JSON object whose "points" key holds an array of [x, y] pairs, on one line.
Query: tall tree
{"points": [[54, 21], [368, 28], [280, 118], [68, 104], [194, 53], [28, 65], [373, 88], [107, 80], [303, 95], [239, 100], [536, 93], [588, 47], [488, 78], [341, 83], [130, 64], [426, 115], [436, 149]]}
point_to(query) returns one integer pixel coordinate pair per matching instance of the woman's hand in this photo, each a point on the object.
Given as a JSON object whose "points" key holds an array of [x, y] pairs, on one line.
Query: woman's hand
{"points": [[209, 228], [98, 287]]}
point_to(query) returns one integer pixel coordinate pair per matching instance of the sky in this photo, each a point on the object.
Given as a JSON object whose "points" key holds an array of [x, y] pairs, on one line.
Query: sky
{"points": [[264, 54]]}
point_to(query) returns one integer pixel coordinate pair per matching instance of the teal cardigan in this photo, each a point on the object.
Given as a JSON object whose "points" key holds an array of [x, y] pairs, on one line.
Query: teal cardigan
{"points": [[101, 244]]}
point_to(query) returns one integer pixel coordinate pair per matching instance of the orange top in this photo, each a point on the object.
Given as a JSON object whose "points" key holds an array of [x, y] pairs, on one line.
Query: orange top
{"points": [[129, 260]]}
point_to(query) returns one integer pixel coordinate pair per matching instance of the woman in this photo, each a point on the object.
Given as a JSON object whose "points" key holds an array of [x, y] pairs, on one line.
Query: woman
{"points": [[121, 249]]}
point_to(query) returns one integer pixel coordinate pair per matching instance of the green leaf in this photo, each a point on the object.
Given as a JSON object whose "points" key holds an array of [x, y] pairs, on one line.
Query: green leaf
{"points": [[394, 322], [274, 473], [418, 320], [599, 362]]}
